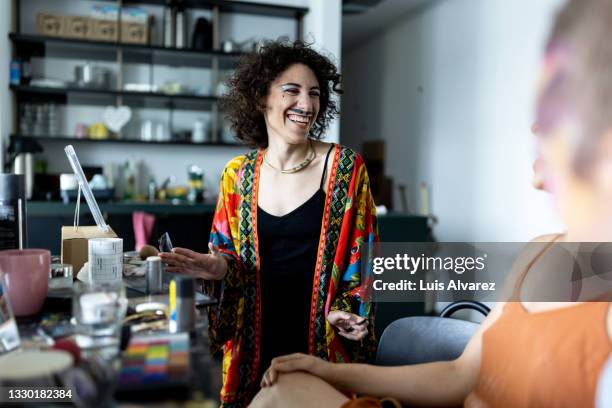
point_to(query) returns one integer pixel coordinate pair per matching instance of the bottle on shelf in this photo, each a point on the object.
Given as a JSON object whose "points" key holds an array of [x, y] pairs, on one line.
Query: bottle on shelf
{"points": [[170, 24], [26, 122], [196, 184], [201, 38], [52, 120], [152, 189], [180, 24], [129, 174]]}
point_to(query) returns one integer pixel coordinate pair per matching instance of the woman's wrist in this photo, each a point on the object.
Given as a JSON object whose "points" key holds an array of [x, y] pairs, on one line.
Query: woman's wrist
{"points": [[338, 375], [327, 371], [222, 268]]}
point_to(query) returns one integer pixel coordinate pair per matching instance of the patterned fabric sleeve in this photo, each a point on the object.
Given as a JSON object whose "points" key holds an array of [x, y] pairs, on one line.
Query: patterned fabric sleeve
{"points": [[224, 317], [360, 218]]}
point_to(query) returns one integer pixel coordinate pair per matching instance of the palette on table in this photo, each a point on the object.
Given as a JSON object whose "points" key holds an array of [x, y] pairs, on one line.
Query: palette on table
{"points": [[155, 363]]}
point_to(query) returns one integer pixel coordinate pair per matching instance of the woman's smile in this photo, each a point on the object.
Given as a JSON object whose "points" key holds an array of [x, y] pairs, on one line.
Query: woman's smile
{"points": [[300, 119]]}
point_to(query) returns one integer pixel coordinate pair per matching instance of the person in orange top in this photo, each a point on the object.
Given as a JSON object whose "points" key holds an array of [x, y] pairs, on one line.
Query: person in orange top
{"points": [[526, 354]]}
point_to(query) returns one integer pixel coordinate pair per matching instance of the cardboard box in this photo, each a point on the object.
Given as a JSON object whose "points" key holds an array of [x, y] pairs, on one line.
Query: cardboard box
{"points": [[76, 27], [103, 30], [74, 244], [134, 33], [49, 24]]}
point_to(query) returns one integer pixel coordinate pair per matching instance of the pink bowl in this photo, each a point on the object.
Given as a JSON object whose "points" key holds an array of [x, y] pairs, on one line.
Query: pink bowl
{"points": [[26, 278]]}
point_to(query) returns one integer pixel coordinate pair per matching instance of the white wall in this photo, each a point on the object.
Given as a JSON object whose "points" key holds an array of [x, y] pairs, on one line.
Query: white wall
{"points": [[451, 90], [323, 22], [323, 27]]}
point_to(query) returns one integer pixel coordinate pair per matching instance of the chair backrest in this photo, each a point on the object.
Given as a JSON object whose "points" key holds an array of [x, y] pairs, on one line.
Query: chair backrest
{"points": [[423, 339]]}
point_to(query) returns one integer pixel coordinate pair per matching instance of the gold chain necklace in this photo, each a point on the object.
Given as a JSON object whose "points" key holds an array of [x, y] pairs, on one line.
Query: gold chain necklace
{"points": [[297, 168]]}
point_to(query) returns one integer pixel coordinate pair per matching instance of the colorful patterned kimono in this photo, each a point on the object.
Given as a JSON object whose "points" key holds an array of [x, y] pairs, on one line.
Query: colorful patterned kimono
{"points": [[349, 224]]}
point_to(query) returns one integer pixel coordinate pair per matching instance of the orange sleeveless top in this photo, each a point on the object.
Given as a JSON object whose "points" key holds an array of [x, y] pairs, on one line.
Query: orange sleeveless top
{"points": [[544, 359]]}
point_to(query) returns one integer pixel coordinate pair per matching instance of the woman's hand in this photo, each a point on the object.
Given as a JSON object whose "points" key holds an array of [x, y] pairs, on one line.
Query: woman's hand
{"points": [[349, 325], [295, 362], [211, 266]]}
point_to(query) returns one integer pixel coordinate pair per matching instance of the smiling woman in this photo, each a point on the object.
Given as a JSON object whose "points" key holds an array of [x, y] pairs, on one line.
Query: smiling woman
{"points": [[293, 219], [250, 86]]}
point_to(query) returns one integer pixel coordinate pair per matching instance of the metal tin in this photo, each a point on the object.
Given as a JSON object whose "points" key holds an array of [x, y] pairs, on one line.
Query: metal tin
{"points": [[154, 275], [182, 304]]}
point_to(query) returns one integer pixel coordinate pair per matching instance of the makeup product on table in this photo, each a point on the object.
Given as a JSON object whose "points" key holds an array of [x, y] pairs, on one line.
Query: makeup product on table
{"points": [[98, 310], [154, 275], [60, 276], [165, 244], [105, 257], [155, 363], [182, 304]]}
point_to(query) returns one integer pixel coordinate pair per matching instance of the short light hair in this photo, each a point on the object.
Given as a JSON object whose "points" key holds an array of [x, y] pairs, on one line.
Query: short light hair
{"points": [[582, 39]]}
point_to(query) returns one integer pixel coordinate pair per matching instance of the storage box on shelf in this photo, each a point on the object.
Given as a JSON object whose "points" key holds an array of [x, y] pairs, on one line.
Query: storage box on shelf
{"points": [[87, 28], [76, 27], [121, 34]]}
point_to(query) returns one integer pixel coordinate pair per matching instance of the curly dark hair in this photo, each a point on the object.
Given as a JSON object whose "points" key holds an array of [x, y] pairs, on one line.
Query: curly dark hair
{"points": [[251, 81]]}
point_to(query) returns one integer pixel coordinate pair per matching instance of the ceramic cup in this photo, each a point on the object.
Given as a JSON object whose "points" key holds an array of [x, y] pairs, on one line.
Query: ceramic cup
{"points": [[26, 278]]}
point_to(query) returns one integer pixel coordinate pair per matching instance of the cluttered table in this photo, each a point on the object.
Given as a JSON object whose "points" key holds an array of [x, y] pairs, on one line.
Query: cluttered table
{"points": [[121, 329], [97, 326], [133, 342]]}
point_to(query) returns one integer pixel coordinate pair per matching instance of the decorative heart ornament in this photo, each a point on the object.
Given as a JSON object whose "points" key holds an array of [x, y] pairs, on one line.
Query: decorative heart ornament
{"points": [[116, 118]]}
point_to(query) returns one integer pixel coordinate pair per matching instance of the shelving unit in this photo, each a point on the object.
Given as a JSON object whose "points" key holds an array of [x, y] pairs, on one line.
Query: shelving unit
{"points": [[244, 7], [36, 46], [102, 97], [27, 46], [63, 139]]}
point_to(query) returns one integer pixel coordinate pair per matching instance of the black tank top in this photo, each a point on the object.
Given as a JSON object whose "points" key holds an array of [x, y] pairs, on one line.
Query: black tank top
{"points": [[288, 256]]}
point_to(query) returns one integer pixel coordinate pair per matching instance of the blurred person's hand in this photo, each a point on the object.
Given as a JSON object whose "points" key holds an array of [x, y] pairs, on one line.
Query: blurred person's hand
{"points": [[295, 362], [212, 266], [349, 325]]}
